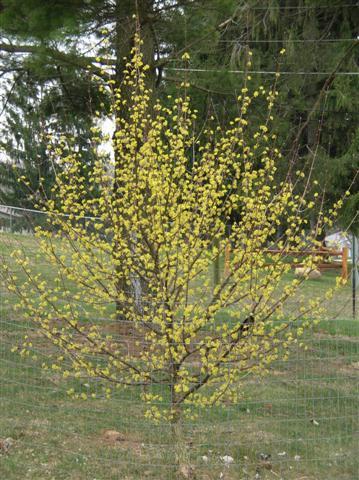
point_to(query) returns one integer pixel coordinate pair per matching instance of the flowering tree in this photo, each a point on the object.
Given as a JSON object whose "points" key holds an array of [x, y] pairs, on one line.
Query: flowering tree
{"points": [[132, 241]]}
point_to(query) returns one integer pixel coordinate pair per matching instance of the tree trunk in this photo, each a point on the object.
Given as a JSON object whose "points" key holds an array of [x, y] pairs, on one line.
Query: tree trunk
{"points": [[131, 17], [182, 468]]}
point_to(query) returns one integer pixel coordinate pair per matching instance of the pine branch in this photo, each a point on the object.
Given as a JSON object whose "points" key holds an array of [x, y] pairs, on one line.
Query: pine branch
{"points": [[84, 63]]}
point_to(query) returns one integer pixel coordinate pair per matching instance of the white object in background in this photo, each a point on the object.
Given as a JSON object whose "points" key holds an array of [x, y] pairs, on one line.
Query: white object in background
{"points": [[338, 240]]}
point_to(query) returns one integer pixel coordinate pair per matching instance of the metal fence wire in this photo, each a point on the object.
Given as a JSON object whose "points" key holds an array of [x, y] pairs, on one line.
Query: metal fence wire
{"points": [[298, 422]]}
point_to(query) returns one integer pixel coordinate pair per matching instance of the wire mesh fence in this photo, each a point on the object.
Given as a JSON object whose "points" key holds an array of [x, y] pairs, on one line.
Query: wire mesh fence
{"points": [[299, 421]]}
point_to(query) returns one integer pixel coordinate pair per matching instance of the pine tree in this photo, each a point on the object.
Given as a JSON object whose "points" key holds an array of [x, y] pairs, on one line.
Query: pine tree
{"points": [[318, 112], [63, 40], [25, 147], [61, 45], [32, 113]]}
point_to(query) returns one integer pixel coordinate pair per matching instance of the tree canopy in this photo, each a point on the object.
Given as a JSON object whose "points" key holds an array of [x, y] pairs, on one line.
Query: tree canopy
{"points": [[60, 43]]}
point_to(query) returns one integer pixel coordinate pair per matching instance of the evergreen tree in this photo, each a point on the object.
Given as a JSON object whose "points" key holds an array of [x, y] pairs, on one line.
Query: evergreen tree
{"points": [[60, 42], [64, 44], [33, 112], [318, 114], [23, 146]]}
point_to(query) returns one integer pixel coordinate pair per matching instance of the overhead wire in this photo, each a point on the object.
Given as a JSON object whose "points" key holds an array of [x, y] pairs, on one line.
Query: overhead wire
{"points": [[254, 72], [289, 40], [300, 7]]}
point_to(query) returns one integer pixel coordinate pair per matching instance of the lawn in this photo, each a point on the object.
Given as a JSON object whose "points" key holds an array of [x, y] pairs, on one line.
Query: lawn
{"points": [[299, 422]]}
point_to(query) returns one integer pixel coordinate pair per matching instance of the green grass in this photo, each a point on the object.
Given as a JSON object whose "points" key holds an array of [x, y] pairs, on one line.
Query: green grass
{"points": [[306, 408]]}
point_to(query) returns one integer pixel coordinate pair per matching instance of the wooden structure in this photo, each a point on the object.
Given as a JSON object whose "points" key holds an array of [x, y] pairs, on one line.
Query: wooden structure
{"points": [[326, 253]]}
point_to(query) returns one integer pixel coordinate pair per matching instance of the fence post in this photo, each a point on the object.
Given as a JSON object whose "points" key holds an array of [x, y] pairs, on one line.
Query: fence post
{"points": [[216, 267], [345, 263], [227, 259], [354, 274]]}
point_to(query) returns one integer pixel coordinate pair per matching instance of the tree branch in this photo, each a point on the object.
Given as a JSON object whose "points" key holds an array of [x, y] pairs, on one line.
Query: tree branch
{"points": [[84, 63]]}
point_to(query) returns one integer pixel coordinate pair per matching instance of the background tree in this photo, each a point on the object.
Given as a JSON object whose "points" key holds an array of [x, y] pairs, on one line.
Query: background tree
{"points": [[317, 116], [35, 109], [62, 43], [22, 140]]}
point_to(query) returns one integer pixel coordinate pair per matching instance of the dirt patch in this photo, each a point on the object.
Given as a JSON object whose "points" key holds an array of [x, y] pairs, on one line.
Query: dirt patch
{"points": [[115, 439], [327, 336], [113, 436], [6, 444], [350, 369], [277, 373]]}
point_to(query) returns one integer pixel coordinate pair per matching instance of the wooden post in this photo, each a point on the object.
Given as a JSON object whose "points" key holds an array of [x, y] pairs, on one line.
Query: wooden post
{"points": [[345, 263], [354, 274], [227, 259], [216, 268]]}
